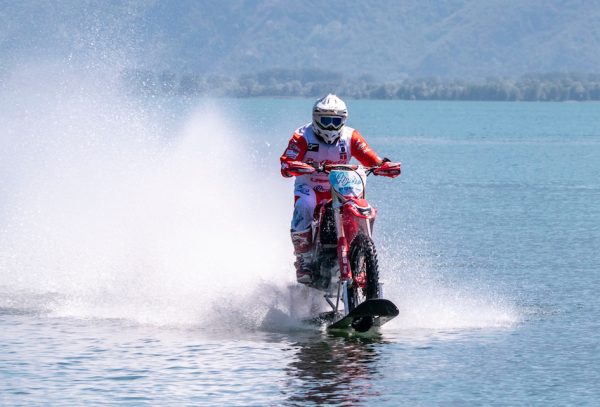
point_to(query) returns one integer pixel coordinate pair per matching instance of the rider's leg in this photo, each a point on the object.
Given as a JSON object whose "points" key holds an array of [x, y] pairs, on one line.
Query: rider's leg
{"points": [[302, 242], [301, 231]]}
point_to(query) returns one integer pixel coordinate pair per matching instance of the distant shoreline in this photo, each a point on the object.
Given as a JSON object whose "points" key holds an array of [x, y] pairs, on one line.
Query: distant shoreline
{"points": [[284, 83]]}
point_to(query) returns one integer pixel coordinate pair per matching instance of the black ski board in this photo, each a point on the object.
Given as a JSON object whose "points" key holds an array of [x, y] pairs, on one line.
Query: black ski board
{"points": [[368, 314]]}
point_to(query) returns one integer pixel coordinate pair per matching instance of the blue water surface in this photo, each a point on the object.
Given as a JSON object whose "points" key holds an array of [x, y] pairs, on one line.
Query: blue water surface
{"points": [[488, 242]]}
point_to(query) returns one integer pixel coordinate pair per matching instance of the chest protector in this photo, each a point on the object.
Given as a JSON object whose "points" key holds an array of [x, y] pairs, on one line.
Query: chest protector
{"points": [[323, 153]]}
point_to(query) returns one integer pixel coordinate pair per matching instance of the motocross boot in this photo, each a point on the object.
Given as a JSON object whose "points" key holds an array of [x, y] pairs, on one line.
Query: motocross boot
{"points": [[303, 251]]}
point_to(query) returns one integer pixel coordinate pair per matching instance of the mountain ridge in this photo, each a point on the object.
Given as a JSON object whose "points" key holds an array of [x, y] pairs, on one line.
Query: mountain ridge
{"points": [[388, 39]]}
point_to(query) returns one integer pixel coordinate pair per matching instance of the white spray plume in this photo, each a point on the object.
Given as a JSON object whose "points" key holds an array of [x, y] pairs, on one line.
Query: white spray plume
{"points": [[118, 217], [428, 302]]}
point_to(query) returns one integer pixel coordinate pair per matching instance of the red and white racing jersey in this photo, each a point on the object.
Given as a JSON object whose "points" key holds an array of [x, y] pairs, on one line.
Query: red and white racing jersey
{"points": [[306, 147]]}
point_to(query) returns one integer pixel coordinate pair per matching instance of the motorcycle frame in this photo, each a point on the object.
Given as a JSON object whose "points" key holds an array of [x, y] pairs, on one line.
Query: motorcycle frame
{"points": [[352, 215]]}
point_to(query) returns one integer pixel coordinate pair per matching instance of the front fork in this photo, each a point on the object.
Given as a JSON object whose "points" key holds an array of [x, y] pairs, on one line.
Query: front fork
{"points": [[342, 252], [343, 249], [343, 244]]}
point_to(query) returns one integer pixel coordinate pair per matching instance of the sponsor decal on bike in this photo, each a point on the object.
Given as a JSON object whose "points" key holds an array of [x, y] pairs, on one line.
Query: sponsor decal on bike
{"points": [[343, 179], [346, 183]]}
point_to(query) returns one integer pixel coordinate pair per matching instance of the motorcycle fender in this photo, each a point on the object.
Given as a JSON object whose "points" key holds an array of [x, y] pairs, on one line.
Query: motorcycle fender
{"points": [[355, 221], [360, 209]]}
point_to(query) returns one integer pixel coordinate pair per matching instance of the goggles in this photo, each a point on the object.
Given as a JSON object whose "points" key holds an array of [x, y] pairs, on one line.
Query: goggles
{"points": [[331, 122]]}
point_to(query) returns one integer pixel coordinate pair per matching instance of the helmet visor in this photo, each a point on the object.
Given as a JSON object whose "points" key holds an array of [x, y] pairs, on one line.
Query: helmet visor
{"points": [[331, 122]]}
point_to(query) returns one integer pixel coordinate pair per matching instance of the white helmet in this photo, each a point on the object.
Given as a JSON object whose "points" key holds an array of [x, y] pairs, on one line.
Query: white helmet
{"points": [[329, 116]]}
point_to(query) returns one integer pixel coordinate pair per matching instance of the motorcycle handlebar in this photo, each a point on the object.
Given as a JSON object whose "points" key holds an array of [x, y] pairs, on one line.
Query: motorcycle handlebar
{"points": [[327, 168]]}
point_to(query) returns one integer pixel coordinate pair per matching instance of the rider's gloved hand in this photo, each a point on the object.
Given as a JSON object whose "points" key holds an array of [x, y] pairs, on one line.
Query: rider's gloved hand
{"points": [[296, 168], [388, 169]]}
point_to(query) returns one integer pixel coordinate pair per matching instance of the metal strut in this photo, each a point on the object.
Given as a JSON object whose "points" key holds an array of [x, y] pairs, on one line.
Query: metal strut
{"points": [[328, 295]]}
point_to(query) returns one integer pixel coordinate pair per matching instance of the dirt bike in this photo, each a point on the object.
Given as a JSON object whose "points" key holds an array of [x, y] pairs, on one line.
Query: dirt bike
{"points": [[344, 263]]}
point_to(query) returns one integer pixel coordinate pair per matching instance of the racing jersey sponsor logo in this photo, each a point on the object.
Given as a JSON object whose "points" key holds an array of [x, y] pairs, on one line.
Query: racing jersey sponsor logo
{"points": [[343, 153], [303, 189], [292, 153], [321, 180], [293, 150], [313, 147]]}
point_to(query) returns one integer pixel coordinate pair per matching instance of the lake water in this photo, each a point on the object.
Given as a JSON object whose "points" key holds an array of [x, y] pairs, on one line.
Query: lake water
{"points": [[145, 256]]}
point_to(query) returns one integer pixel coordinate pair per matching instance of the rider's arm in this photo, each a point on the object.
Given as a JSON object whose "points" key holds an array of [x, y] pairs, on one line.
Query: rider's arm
{"points": [[367, 157], [291, 160], [363, 153]]}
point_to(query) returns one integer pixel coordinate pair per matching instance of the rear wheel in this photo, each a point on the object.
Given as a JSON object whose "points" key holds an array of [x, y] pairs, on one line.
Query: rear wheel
{"points": [[365, 271]]}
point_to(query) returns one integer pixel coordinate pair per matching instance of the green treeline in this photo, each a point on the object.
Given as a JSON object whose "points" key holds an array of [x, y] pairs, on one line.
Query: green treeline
{"points": [[315, 82]]}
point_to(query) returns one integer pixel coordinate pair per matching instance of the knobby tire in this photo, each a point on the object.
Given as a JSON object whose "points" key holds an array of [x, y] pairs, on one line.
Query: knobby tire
{"points": [[363, 258]]}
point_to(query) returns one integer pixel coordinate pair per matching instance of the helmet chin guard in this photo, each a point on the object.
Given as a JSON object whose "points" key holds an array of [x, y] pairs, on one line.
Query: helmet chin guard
{"points": [[328, 136], [329, 117]]}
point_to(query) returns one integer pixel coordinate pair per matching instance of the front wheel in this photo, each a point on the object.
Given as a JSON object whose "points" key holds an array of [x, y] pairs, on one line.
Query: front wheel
{"points": [[365, 271]]}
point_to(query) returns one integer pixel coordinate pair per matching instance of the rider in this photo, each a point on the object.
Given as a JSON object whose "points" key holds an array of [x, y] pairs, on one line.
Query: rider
{"points": [[327, 140]]}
